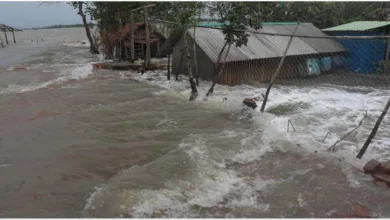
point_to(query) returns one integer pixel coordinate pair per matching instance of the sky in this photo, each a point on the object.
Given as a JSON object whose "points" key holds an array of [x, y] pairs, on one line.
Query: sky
{"points": [[32, 14]]}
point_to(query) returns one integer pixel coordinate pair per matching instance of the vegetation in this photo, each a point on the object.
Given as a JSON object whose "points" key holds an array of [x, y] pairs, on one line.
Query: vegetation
{"points": [[79, 6], [90, 24], [109, 16]]}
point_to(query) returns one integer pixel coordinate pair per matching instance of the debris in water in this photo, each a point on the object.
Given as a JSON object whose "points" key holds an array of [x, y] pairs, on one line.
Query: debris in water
{"points": [[385, 167], [380, 172], [360, 211], [19, 68], [250, 102], [372, 166]]}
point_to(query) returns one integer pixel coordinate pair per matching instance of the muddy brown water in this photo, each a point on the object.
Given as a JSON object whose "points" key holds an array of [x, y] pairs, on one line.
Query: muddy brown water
{"points": [[106, 146]]}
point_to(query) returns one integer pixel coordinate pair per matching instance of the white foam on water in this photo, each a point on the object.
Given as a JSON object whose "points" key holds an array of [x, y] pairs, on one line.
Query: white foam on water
{"points": [[313, 111], [301, 201], [207, 183], [78, 73], [84, 43]]}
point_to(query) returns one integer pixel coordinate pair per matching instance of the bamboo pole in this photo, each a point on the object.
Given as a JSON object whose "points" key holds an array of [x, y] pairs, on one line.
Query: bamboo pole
{"points": [[5, 35], [196, 71], [13, 36], [147, 32], [120, 39], [132, 51], [1, 42], [374, 130], [277, 70], [169, 67]]}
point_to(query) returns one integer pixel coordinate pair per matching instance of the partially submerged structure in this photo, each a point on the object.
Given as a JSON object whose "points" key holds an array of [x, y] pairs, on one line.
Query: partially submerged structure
{"points": [[5, 28], [364, 55], [259, 59], [140, 41]]}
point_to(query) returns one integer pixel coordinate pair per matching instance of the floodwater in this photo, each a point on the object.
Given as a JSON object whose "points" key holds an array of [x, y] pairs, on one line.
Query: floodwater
{"points": [[76, 142]]}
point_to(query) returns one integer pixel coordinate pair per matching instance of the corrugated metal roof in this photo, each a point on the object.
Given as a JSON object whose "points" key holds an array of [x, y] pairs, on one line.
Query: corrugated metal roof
{"points": [[279, 23], [359, 26], [322, 45], [265, 46]]}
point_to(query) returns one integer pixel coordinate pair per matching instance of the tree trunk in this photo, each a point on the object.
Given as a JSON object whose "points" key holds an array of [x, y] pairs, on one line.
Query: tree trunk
{"points": [[169, 67], [211, 90], [195, 59], [132, 51], [93, 48], [277, 70], [147, 28], [216, 66], [180, 63], [194, 91], [374, 130]]}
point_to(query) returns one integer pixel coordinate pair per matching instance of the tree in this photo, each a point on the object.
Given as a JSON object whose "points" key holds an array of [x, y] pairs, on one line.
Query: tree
{"points": [[79, 6], [240, 15], [185, 14], [379, 13]]}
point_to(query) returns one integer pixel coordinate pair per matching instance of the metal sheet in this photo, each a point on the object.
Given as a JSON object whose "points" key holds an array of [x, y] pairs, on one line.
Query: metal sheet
{"points": [[321, 45], [297, 47], [262, 46]]}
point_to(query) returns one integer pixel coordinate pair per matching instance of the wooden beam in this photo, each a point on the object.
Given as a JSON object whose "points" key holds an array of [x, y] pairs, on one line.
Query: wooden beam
{"points": [[6, 38], [146, 6]]}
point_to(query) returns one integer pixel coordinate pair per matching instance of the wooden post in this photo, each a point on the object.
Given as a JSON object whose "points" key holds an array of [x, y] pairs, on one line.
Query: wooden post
{"points": [[277, 70], [374, 130], [132, 51], [6, 38], [387, 48], [13, 35], [120, 41], [147, 32], [169, 67]]}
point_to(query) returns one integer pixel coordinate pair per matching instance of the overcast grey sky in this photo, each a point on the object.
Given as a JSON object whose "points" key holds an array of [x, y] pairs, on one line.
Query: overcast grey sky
{"points": [[31, 14]]}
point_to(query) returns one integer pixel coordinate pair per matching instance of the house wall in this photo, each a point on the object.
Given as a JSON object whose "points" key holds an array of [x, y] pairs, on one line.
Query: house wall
{"points": [[205, 65], [364, 56], [240, 72], [237, 72]]}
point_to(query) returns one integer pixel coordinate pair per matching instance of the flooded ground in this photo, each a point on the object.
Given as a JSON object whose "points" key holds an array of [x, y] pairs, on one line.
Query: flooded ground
{"points": [[81, 143]]}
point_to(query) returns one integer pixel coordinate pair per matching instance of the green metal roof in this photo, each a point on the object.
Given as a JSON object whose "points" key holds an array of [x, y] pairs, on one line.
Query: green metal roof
{"points": [[219, 24], [359, 26], [212, 24], [279, 23]]}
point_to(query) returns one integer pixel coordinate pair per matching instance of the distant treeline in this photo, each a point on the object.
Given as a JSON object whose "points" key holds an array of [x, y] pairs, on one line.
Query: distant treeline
{"points": [[61, 26]]}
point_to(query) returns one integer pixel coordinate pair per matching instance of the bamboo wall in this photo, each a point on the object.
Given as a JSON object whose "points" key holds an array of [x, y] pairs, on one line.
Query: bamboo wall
{"points": [[236, 73]]}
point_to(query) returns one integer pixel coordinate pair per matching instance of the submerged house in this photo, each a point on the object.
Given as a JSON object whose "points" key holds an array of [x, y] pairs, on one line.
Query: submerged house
{"points": [[364, 55], [156, 39], [259, 59]]}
